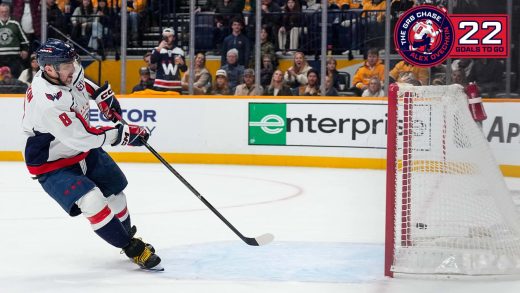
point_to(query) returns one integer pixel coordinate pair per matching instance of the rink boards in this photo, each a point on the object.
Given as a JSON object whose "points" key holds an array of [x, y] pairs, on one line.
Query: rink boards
{"points": [[342, 132]]}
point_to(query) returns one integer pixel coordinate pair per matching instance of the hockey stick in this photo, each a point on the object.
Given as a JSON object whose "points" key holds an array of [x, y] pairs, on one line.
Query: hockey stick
{"points": [[257, 241]]}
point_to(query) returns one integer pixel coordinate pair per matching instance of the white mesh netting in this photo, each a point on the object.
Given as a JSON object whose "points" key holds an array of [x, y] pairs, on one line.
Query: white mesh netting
{"points": [[454, 213]]}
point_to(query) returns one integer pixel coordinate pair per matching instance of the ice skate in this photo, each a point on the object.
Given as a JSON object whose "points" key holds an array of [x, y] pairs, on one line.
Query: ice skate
{"points": [[142, 255], [133, 231]]}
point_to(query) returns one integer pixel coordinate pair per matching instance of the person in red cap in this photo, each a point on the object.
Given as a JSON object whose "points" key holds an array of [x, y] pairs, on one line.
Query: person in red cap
{"points": [[10, 85]]}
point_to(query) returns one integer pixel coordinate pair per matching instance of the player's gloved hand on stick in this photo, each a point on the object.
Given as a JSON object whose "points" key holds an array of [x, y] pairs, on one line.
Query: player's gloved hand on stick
{"points": [[132, 135], [107, 102]]}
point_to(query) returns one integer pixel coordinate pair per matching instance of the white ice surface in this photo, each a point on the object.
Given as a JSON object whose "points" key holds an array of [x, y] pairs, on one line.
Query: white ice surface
{"points": [[328, 226]]}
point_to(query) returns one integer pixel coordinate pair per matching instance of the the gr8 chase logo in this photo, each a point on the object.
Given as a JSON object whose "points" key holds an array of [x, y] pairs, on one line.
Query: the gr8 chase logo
{"points": [[424, 35]]}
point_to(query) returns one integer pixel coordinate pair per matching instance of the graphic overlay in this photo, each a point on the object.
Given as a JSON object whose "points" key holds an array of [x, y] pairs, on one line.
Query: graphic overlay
{"points": [[424, 36], [480, 36]]}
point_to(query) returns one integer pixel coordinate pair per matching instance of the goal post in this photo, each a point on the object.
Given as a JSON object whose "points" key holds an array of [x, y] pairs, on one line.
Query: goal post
{"points": [[448, 209]]}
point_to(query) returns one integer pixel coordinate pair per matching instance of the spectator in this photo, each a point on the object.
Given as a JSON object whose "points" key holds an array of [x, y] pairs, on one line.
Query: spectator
{"points": [[266, 70], [27, 13], [249, 88], [373, 23], [233, 70], [489, 75], [438, 74], [313, 5], [170, 62], [56, 18], [278, 86], [348, 30], [354, 4], [419, 73], [271, 15], [466, 66], [145, 81], [135, 11], [408, 77], [312, 88], [82, 19], [330, 90], [458, 77], [374, 88], [236, 40], [221, 86], [67, 7], [202, 78], [101, 23], [10, 85], [227, 6], [225, 10], [266, 46], [336, 79], [28, 74], [153, 67], [370, 5], [290, 27], [296, 75], [14, 44], [372, 67], [345, 4]]}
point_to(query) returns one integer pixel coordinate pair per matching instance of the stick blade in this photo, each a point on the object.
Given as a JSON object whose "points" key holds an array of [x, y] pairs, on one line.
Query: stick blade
{"points": [[260, 240]]}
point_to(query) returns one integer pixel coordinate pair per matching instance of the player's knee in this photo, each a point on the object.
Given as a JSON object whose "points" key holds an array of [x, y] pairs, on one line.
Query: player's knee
{"points": [[95, 208], [117, 204]]}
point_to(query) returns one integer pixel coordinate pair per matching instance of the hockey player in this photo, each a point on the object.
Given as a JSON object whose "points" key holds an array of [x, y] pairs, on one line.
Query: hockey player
{"points": [[424, 35], [64, 152], [170, 63]]}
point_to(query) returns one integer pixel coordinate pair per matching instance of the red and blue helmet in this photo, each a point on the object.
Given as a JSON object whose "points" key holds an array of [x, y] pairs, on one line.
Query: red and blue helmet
{"points": [[55, 52]]}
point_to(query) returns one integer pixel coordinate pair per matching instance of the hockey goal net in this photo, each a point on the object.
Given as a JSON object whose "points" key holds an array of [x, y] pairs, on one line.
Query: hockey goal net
{"points": [[448, 208]]}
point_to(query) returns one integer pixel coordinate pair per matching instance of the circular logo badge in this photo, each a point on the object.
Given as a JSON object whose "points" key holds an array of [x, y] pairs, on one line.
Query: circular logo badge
{"points": [[424, 35]]}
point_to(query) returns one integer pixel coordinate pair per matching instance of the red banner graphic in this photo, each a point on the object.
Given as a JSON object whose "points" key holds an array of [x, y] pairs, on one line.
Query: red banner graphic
{"points": [[480, 36]]}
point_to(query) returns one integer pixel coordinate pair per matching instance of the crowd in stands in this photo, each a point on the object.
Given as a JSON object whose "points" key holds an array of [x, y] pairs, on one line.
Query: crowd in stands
{"points": [[93, 24], [281, 32]]}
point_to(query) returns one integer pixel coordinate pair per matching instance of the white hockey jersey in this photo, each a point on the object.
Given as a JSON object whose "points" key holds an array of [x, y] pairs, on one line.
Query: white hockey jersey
{"points": [[422, 28], [56, 124]]}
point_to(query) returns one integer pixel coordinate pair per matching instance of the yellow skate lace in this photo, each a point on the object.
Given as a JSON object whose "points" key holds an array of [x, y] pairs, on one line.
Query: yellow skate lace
{"points": [[141, 259]]}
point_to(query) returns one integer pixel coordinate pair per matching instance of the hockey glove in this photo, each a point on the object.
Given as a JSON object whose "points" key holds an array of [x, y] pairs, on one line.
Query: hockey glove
{"points": [[107, 102], [132, 135]]}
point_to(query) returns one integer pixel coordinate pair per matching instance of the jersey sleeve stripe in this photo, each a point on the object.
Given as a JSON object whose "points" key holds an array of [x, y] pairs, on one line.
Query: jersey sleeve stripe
{"points": [[90, 129]]}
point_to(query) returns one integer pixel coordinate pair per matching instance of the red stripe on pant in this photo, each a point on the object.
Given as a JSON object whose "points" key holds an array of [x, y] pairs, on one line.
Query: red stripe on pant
{"points": [[103, 214]]}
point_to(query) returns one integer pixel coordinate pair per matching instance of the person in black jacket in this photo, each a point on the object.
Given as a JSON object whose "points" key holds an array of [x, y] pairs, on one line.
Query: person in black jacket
{"points": [[236, 40], [145, 81]]}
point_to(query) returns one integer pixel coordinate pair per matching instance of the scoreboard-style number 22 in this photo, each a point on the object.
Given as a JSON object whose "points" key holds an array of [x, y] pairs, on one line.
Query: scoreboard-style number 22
{"points": [[480, 36]]}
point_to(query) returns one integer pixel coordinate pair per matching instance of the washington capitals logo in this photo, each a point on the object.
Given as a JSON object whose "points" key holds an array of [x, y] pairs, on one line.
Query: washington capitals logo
{"points": [[56, 96], [424, 36]]}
